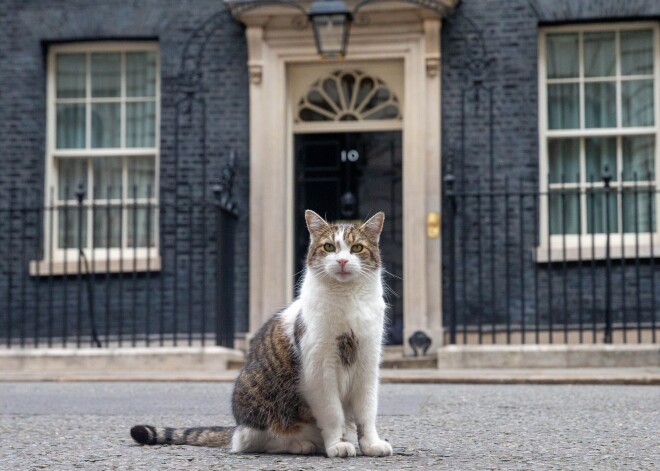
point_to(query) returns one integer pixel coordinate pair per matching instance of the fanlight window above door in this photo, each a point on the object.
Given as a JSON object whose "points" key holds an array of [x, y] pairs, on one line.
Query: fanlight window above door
{"points": [[348, 95]]}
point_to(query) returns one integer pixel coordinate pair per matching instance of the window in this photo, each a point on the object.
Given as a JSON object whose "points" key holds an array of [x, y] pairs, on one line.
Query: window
{"points": [[599, 114], [103, 121], [348, 95]]}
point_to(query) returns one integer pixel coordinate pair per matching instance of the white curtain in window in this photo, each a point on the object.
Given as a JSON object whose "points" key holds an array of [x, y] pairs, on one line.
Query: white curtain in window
{"points": [[564, 168], [562, 62], [140, 124], [141, 172], [600, 104], [140, 114], [600, 153], [71, 175], [108, 190], [637, 52], [70, 84], [637, 103], [638, 204], [637, 94], [70, 133]]}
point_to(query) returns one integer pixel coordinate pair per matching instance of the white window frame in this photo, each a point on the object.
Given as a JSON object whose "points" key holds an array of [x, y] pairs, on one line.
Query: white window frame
{"points": [[65, 260], [587, 246]]}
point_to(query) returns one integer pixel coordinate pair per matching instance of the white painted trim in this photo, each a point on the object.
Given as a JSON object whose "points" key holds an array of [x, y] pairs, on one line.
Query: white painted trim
{"points": [[554, 245], [107, 152], [321, 127], [598, 27], [102, 264], [619, 249], [105, 46]]}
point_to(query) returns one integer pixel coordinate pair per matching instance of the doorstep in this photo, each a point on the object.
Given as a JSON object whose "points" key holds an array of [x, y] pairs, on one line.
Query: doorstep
{"points": [[548, 356], [485, 365], [117, 361]]}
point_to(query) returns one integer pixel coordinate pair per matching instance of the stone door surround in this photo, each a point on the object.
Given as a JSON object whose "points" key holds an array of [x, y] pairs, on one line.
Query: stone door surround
{"points": [[281, 50]]}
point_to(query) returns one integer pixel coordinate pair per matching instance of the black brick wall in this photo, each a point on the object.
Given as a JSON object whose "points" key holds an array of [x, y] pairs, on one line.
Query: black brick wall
{"points": [[198, 130], [490, 136], [489, 116]]}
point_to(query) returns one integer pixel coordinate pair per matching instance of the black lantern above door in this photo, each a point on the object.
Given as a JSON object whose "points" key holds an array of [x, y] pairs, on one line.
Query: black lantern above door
{"points": [[331, 19], [331, 22]]}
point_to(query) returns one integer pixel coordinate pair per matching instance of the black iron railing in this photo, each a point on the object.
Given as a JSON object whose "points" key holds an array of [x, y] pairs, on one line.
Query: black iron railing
{"points": [[575, 263], [116, 273]]}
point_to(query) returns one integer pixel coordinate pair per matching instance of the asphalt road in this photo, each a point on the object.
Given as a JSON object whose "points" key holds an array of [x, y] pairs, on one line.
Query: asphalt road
{"points": [[431, 427]]}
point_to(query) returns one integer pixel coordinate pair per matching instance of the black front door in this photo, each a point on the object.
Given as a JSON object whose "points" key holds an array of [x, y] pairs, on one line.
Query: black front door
{"points": [[348, 177]]}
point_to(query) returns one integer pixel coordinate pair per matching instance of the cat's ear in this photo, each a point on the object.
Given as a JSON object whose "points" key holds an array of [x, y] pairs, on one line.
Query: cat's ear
{"points": [[374, 226], [315, 223]]}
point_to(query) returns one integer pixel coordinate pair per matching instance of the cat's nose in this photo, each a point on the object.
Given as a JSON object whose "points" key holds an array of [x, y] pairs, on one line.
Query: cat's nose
{"points": [[342, 262]]}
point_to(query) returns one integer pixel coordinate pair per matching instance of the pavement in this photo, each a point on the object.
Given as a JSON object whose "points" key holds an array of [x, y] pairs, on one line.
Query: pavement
{"points": [[84, 425], [636, 375]]}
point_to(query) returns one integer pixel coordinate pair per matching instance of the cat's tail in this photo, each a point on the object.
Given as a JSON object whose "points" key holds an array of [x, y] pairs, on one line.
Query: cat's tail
{"points": [[200, 436]]}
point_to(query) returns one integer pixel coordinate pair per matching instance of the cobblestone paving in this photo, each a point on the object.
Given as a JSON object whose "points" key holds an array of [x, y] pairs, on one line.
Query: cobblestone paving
{"points": [[64, 426]]}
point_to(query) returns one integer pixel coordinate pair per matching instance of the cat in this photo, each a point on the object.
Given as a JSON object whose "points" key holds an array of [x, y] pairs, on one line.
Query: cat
{"points": [[311, 375]]}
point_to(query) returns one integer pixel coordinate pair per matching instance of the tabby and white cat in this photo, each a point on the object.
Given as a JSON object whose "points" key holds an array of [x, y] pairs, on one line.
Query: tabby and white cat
{"points": [[311, 375]]}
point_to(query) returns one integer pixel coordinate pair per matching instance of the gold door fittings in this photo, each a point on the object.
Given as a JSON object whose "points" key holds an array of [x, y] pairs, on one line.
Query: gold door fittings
{"points": [[433, 225]]}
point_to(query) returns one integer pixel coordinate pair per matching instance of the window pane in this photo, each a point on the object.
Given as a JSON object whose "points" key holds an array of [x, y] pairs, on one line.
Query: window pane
{"points": [[106, 74], [564, 212], [636, 52], [70, 126], [638, 210], [140, 229], [600, 152], [141, 124], [562, 55], [600, 105], [107, 227], [597, 218], [563, 106], [141, 172], [71, 233], [107, 177], [71, 173], [70, 80], [564, 159], [599, 56], [638, 158], [140, 74], [637, 102], [388, 112], [105, 125]]}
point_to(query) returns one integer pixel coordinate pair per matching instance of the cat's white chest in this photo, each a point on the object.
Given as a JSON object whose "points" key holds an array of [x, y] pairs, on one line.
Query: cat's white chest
{"points": [[333, 317]]}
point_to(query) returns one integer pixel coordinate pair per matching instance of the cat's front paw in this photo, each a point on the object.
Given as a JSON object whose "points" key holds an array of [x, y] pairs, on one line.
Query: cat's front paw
{"points": [[376, 448], [341, 450]]}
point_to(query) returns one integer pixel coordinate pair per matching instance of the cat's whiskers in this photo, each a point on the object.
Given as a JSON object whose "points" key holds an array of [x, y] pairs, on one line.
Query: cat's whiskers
{"points": [[391, 274], [386, 288], [320, 272], [387, 291], [372, 274], [367, 275]]}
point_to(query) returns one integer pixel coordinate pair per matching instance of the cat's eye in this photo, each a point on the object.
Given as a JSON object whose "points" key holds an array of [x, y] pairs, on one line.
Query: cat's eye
{"points": [[329, 248], [357, 248]]}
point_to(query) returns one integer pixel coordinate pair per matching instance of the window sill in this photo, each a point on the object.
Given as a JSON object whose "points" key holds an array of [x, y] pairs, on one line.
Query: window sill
{"points": [[70, 267], [587, 253]]}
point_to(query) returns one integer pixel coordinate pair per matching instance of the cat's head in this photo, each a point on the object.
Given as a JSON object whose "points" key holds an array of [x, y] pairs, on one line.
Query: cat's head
{"points": [[344, 252]]}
